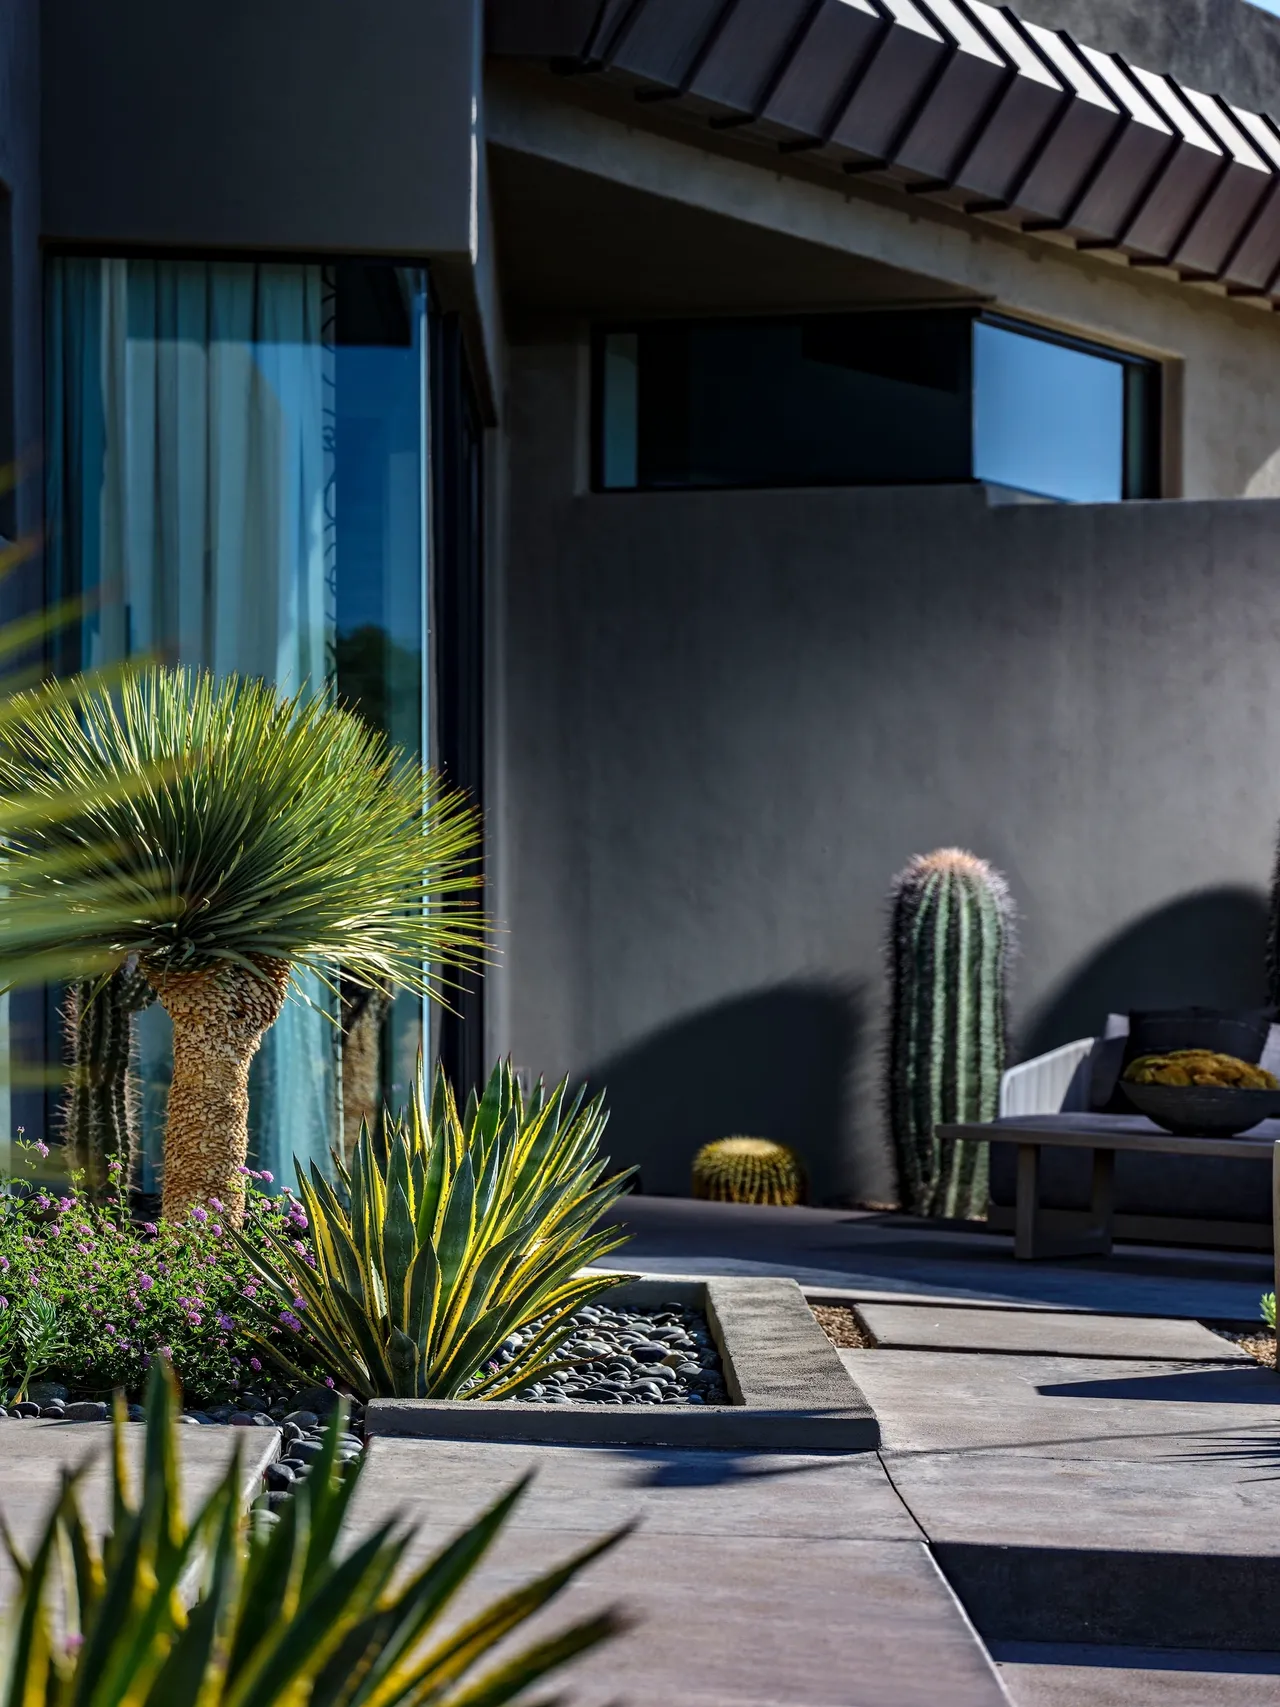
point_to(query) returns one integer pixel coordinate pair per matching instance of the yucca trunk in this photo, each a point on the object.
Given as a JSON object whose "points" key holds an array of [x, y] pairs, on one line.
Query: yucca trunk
{"points": [[219, 1020]]}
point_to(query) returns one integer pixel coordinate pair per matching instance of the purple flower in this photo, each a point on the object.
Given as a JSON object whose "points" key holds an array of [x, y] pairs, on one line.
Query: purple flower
{"points": [[299, 1303], [4, 1302], [4, 1265], [199, 1214], [150, 1229], [43, 1202], [194, 1319], [251, 1291], [255, 1366], [216, 1230], [290, 1321], [107, 1328], [145, 1282], [269, 1177], [328, 1380], [215, 1205], [42, 1148], [225, 1322], [83, 1249], [64, 1203], [87, 1231]]}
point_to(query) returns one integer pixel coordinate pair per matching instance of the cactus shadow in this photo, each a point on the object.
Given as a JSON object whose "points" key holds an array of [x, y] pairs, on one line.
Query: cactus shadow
{"points": [[776, 1063], [1207, 949]]}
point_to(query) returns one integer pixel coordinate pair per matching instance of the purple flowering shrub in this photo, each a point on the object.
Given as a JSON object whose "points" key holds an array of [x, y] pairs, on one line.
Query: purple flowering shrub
{"points": [[125, 1292]]}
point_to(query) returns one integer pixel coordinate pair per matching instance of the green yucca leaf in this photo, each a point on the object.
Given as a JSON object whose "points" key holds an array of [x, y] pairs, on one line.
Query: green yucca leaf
{"points": [[305, 1613], [227, 825], [443, 1237]]}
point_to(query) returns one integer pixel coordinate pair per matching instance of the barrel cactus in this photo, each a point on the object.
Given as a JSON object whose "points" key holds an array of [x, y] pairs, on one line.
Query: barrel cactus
{"points": [[950, 938], [748, 1170], [100, 1116]]}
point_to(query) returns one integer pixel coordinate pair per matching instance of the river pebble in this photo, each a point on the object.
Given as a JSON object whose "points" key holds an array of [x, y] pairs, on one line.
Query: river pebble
{"points": [[629, 1356]]}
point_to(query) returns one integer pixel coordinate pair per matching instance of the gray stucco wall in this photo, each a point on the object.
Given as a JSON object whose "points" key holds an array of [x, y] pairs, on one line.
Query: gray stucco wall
{"points": [[729, 718], [1225, 47], [312, 125], [20, 388]]}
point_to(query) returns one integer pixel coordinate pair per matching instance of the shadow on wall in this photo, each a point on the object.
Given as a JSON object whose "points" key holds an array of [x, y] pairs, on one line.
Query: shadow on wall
{"points": [[1208, 949], [776, 1064]]}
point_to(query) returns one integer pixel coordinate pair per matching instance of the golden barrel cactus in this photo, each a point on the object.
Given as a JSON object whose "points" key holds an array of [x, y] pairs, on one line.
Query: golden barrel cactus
{"points": [[748, 1170]]}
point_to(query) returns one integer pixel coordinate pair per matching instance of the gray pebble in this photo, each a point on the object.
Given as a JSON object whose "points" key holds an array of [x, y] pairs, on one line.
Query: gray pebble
{"points": [[87, 1411], [278, 1476], [304, 1419], [54, 1413], [24, 1408]]}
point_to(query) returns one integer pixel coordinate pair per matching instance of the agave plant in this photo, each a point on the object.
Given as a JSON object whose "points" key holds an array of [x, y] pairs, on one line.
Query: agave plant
{"points": [[444, 1237], [248, 838], [283, 1616]]}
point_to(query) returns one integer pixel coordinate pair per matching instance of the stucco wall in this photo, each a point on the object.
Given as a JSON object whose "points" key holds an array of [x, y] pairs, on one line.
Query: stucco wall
{"points": [[729, 718], [289, 124], [1225, 47], [20, 388]]}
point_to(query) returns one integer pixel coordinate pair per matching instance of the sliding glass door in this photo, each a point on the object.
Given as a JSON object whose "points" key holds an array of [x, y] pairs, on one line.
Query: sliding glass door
{"points": [[238, 480]]}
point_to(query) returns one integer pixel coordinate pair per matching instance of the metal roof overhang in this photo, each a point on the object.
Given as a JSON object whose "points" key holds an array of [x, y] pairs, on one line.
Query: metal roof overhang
{"points": [[954, 99]]}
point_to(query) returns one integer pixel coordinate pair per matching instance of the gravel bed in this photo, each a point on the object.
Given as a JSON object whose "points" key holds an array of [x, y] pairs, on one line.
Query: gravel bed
{"points": [[1260, 1343], [627, 1356], [842, 1326]]}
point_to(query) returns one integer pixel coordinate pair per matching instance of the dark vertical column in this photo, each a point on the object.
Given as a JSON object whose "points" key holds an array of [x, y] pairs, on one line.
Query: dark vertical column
{"points": [[457, 615]]}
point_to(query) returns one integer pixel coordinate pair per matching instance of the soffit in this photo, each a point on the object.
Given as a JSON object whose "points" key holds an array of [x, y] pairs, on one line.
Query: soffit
{"points": [[955, 101]]}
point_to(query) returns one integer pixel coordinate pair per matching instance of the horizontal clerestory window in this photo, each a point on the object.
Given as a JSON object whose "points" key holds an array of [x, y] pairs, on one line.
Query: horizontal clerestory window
{"points": [[881, 398]]}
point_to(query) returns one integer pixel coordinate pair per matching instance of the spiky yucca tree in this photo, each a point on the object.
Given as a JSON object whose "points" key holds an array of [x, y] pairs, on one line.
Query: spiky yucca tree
{"points": [[949, 940], [257, 837]]}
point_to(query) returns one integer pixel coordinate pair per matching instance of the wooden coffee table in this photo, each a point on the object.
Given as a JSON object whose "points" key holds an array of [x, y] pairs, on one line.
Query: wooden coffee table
{"points": [[1041, 1233]]}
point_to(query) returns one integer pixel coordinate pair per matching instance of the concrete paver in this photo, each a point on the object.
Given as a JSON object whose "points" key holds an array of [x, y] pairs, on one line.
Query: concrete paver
{"points": [[35, 1452], [958, 1328], [1068, 1407], [874, 1255], [1049, 1675], [766, 1582]]}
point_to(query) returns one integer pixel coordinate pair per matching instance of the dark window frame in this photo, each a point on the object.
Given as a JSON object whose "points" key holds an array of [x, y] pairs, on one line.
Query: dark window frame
{"points": [[1144, 390]]}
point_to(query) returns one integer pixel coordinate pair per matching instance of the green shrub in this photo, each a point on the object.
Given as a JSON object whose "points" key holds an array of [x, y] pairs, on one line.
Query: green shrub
{"points": [[287, 1615], [122, 1292], [1269, 1310], [442, 1239]]}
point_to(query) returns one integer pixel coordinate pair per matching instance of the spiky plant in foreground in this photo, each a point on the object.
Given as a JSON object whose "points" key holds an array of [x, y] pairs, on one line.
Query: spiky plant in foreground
{"points": [[256, 837], [748, 1170], [444, 1237], [295, 1615], [101, 1113], [950, 935]]}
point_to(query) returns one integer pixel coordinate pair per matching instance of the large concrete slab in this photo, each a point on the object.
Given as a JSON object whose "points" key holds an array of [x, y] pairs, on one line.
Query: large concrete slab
{"points": [[1043, 1332], [766, 1582], [873, 1255], [1067, 1407], [34, 1454], [1056, 1675]]}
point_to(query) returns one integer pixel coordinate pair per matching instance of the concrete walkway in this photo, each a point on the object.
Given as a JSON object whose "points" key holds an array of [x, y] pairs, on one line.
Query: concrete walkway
{"points": [[890, 1257], [756, 1581]]}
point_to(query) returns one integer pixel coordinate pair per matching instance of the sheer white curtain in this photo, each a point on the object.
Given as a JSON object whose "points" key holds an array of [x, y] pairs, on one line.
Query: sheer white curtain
{"points": [[191, 492]]}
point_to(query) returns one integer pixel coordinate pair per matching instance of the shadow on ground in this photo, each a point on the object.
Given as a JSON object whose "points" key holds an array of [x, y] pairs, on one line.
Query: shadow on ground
{"points": [[774, 1064], [1239, 1385], [1206, 949]]}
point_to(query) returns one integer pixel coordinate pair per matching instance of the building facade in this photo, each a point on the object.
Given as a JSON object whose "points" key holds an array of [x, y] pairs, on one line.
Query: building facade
{"points": [[744, 442]]}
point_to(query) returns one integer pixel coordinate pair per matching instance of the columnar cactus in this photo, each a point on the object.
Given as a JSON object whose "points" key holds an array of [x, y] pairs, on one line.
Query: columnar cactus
{"points": [[949, 942], [748, 1170], [101, 1108]]}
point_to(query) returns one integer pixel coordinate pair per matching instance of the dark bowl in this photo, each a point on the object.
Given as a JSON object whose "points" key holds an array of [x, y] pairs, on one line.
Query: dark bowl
{"points": [[1203, 1111]]}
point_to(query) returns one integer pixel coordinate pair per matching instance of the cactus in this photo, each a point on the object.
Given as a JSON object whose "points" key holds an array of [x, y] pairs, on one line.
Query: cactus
{"points": [[748, 1170], [101, 1109], [950, 938]]}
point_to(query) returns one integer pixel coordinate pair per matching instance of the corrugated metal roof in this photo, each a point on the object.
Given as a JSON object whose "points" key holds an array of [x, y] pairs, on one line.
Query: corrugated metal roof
{"points": [[955, 99]]}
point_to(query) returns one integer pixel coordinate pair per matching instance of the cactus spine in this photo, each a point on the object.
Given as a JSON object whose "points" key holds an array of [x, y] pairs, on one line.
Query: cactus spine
{"points": [[101, 1108], [748, 1170], [950, 938]]}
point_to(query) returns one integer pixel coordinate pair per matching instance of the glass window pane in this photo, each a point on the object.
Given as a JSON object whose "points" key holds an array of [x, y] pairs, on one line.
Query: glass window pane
{"points": [[236, 477], [1047, 419], [619, 468], [877, 398]]}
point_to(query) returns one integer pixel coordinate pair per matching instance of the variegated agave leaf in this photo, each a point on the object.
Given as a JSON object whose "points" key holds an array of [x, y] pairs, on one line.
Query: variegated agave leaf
{"points": [[213, 1613], [444, 1236]]}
